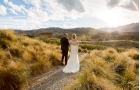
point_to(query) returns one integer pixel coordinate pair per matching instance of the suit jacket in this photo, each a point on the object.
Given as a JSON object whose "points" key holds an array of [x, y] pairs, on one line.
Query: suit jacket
{"points": [[64, 44]]}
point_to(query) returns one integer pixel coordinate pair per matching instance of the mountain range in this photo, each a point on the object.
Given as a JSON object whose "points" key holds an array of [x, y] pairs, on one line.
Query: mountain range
{"points": [[134, 27]]}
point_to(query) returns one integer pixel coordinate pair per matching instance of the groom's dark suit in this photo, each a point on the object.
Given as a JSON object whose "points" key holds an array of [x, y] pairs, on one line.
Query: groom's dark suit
{"points": [[64, 47]]}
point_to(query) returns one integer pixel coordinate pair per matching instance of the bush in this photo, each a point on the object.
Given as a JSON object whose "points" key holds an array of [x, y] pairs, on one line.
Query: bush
{"points": [[51, 41], [119, 50], [92, 47]]}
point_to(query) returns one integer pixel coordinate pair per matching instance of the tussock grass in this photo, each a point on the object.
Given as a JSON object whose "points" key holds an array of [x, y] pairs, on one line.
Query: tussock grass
{"points": [[2, 54], [7, 34], [39, 67], [23, 58], [4, 43], [107, 70], [27, 56], [6, 38], [10, 80], [109, 54], [133, 54], [15, 51], [55, 58]]}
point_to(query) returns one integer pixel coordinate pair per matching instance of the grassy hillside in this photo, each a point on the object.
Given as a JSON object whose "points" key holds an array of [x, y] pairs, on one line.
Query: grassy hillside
{"points": [[105, 36], [22, 58], [108, 70], [102, 68]]}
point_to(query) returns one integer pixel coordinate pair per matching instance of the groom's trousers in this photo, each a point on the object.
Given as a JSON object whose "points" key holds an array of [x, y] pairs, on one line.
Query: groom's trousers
{"points": [[64, 54]]}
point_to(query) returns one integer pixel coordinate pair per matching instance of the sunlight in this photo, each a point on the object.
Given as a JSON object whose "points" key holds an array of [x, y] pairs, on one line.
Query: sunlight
{"points": [[113, 17]]}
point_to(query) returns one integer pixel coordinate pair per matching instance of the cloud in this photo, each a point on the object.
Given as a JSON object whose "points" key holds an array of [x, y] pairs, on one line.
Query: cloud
{"points": [[37, 14], [113, 3], [72, 5], [57, 11], [35, 3], [131, 5], [13, 11], [127, 4], [3, 10], [14, 8], [5, 1]]}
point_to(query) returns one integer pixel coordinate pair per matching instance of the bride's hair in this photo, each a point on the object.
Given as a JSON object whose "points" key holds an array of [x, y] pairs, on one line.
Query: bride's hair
{"points": [[74, 36]]}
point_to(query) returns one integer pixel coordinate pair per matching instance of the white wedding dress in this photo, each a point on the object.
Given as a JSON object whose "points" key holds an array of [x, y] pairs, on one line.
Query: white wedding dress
{"points": [[73, 62]]}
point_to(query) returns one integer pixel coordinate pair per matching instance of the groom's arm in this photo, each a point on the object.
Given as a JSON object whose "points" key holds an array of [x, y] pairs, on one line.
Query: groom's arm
{"points": [[67, 42]]}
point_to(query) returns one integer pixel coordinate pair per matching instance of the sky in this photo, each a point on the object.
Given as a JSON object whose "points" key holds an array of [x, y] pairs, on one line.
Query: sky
{"points": [[35, 14]]}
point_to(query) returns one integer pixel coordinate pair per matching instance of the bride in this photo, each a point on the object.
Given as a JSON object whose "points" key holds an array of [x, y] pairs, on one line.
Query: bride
{"points": [[73, 62]]}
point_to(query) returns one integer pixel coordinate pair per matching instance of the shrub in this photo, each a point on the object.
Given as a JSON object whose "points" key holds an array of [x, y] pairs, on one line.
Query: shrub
{"points": [[91, 47], [51, 41], [119, 50]]}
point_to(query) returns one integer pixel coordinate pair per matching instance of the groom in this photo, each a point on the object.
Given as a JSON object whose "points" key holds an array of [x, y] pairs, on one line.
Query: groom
{"points": [[64, 47]]}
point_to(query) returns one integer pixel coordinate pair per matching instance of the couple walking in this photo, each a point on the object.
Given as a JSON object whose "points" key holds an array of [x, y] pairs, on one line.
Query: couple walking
{"points": [[72, 64]]}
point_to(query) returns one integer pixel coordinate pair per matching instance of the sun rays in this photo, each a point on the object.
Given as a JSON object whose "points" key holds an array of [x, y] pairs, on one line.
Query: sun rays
{"points": [[112, 18]]}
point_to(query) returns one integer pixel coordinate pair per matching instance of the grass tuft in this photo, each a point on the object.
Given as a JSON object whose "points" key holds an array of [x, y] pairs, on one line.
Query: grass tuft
{"points": [[133, 54], [10, 80], [109, 54]]}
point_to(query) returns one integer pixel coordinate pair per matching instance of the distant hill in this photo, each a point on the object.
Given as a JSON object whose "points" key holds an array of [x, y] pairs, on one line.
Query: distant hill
{"points": [[134, 27], [126, 32], [56, 31]]}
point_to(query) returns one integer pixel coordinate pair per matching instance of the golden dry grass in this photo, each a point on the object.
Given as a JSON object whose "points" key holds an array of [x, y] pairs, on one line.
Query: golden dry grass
{"points": [[100, 69], [133, 54], [10, 79], [107, 70], [26, 57]]}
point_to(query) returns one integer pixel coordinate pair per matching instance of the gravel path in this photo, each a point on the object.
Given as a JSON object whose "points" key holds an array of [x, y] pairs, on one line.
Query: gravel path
{"points": [[55, 79]]}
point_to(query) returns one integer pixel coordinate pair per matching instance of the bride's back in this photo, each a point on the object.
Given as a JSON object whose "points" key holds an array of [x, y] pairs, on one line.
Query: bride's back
{"points": [[74, 42]]}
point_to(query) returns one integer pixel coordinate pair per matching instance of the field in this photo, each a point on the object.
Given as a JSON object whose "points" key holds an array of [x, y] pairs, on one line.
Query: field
{"points": [[106, 65]]}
